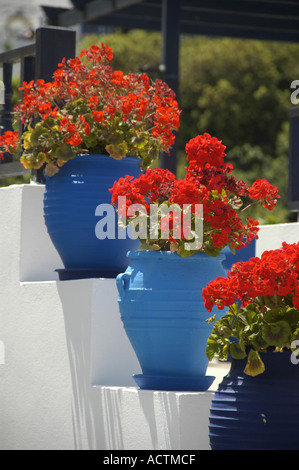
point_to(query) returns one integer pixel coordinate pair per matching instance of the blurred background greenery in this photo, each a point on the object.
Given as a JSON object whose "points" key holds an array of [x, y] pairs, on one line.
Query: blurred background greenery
{"points": [[237, 90]]}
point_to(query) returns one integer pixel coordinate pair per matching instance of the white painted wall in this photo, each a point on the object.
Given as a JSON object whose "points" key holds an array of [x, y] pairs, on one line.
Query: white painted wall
{"points": [[272, 236], [65, 361]]}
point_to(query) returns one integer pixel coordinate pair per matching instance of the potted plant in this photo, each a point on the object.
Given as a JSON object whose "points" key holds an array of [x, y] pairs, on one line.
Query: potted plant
{"points": [[183, 226], [255, 404], [88, 127]]}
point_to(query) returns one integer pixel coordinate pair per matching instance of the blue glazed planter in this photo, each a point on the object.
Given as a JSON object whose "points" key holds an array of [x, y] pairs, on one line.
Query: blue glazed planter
{"points": [[244, 254], [162, 309], [257, 413], [70, 202]]}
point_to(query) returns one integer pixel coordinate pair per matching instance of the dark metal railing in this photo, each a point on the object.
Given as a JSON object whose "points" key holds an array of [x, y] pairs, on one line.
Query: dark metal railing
{"points": [[293, 186], [37, 60]]}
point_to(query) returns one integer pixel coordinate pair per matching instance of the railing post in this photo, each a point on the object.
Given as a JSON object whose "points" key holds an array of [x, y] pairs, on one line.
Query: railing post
{"points": [[38, 60], [52, 45], [27, 69], [293, 187], [6, 115], [27, 73], [170, 63]]}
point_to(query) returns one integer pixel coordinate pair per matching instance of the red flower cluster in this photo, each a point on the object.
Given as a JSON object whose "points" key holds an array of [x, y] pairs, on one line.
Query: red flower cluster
{"points": [[274, 275], [204, 150], [152, 187], [208, 182], [264, 192], [89, 107], [9, 141]]}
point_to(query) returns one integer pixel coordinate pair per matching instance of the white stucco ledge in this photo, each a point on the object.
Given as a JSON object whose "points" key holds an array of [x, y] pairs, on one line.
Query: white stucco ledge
{"points": [[66, 380], [154, 420], [136, 419]]}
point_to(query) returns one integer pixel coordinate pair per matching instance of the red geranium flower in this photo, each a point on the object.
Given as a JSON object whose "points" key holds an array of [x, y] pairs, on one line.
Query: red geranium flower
{"points": [[208, 185]]}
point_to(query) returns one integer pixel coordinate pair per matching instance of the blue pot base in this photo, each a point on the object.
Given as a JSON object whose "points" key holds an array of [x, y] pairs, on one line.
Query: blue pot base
{"points": [[170, 383], [72, 274]]}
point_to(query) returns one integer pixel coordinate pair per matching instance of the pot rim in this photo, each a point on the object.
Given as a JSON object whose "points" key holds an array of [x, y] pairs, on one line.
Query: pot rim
{"points": [[103, 155], [169, 255]]}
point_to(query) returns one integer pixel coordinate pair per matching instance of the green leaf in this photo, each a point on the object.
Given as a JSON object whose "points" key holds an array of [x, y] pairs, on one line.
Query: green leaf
{"points": [[210, 351], [217, 345], [64, 152], [292, 317], [234, 308], [212, 346], [37, 132], [212, 251], [90, 140], [232, 250], [217, 348], [295, 335], [255, 365], [286, 313], [185, 253], [117, 151], [273, 315], [211, 319], [144, 246], [237, 351], [258, 341], [223, 355], [277, 334]]}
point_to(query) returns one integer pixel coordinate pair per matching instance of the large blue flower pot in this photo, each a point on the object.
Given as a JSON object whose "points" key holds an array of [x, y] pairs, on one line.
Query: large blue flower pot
{"points": [[70, 202], [257, 413], [162, 309]]}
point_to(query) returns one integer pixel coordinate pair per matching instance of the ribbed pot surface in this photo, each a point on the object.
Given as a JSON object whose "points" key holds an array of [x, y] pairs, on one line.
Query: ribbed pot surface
{"points": [[257, 413]]}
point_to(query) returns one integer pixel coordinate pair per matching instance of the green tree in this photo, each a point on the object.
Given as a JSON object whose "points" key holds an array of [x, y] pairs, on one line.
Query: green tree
{"points": [[238, 90], [135, 51]]}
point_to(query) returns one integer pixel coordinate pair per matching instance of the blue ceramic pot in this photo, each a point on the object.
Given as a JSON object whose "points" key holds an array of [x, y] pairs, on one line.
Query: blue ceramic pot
{"points": [[162, 309], [244, 254], [257, 413], [70, 202]]}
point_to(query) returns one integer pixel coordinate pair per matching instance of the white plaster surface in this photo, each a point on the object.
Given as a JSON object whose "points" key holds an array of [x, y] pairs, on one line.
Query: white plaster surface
{"points": [[272, 236], [66, 363]]}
